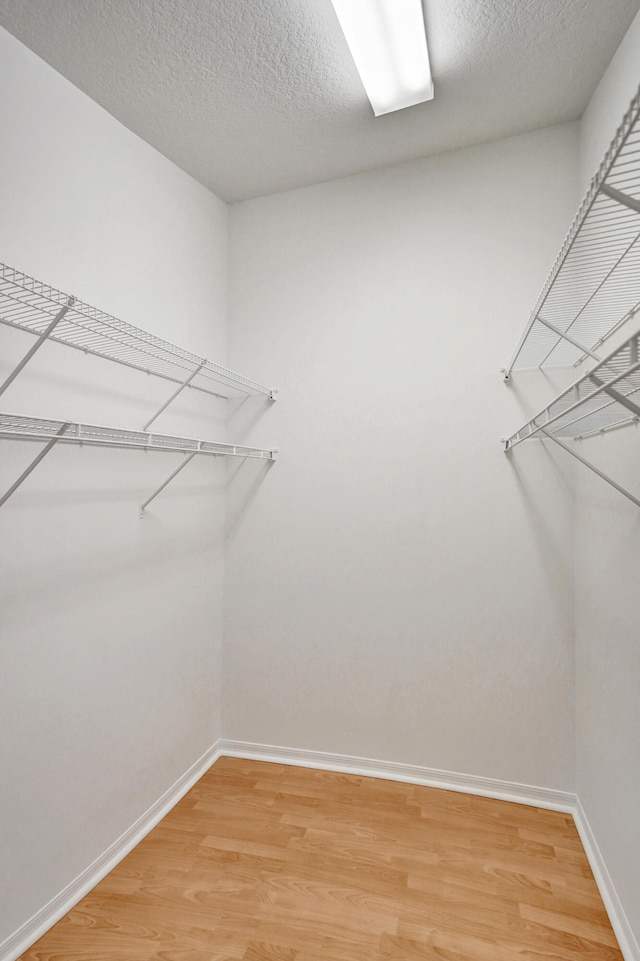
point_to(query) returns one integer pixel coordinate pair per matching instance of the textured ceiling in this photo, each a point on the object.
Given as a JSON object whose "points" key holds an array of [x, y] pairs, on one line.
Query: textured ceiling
{"points": [[256, 96]]}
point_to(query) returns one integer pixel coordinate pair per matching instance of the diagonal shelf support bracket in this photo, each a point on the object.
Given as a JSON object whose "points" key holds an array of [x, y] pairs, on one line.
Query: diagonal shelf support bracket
{"points": [[571, 340], [34, 463], [184, 463], [38, 344], [616, 395], [592, 467], [175, 394], [564, 336], [620, 197]]}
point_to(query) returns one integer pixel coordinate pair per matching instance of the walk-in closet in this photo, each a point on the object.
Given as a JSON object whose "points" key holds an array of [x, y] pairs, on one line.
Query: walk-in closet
{"points": [[319, 487]]}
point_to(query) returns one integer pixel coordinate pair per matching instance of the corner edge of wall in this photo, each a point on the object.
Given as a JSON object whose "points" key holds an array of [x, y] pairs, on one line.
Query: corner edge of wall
{"points": [[619, 921]]}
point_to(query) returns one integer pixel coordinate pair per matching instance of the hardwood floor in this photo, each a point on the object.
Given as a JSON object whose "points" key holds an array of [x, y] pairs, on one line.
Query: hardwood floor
{"points": [[265, 862]]}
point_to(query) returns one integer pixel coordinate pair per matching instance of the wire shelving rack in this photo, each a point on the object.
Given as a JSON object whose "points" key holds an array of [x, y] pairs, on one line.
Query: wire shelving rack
{"points": [[49, 314], [53, 432], [594, 284], [605, 398], [592, 290], [33, 306]]}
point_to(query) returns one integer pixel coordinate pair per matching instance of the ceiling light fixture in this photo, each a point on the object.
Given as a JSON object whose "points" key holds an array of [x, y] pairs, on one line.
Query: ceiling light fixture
{"points": [[388, 43]]}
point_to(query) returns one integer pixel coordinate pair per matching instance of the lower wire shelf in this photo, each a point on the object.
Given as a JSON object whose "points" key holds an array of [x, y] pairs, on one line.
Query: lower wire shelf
{"points": [[52, 432], [598, 401], [606, 398]]}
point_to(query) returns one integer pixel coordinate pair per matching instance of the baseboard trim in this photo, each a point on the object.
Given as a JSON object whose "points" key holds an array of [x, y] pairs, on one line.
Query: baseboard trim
{"points": [[22, 939], [619, 921], [411, 773]]}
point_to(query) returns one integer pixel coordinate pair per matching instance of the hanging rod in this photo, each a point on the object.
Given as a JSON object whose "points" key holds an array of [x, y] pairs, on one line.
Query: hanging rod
{"points": [[53, 432], [33, 306], [594, 284]]}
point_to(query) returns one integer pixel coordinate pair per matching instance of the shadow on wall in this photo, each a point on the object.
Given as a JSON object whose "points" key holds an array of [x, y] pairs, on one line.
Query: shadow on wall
{"points": [[547, 536], [244, 414], [244, 478], [151, 552], [243, 484]]}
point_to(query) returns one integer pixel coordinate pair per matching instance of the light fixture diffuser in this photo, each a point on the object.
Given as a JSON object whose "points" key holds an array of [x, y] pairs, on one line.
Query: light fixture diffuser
{"points": [[388, 43]]}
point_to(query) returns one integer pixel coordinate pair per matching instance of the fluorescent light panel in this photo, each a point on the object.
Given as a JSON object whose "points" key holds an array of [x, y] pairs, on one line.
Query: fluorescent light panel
{"points": [[388, 43]]}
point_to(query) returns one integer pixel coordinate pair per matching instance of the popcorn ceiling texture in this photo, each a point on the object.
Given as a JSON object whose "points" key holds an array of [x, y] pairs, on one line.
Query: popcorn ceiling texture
{"points": [[252, 98]]}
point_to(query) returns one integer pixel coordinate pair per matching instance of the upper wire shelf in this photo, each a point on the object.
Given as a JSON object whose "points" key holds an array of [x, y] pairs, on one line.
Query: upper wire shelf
{"points": [[594, 284], [605, 398], [33, 306]]}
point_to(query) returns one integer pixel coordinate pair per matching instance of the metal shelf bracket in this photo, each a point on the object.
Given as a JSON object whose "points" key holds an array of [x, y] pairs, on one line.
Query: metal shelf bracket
{"points": [[583, 460], [34, 463], [592, 467], [571, 340], [177, 391], [620, 197], [184, 463], [38, 344], [616, 395]]}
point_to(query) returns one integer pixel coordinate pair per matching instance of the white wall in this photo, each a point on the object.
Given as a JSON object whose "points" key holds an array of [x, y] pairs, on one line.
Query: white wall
{"points": [[607, 568], [400, 589], [111, 626], [396, 587]]}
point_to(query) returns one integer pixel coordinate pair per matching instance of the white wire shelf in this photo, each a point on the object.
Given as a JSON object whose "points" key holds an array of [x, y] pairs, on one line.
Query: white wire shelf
{"points": [[18, 427], [33, 306], [607, 397], [594, 284], [52, 432]]}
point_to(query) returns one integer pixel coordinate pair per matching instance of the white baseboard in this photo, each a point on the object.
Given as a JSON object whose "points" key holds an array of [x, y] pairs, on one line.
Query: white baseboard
{"points": [[413, 774], [619, 922], [22, 939]]}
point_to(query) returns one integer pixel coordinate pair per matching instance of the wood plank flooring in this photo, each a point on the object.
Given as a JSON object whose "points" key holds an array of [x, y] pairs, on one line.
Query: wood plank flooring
{"points": [[266, 862]]}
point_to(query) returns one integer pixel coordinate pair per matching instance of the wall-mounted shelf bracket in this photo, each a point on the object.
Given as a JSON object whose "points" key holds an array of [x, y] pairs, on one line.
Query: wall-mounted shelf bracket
{"points": [[184, 463], [34, 463], [592, 467], [38, 344], [616, 395], [571, 340], [583, 460], [620, 197], [234, 451], [177, 391]]}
